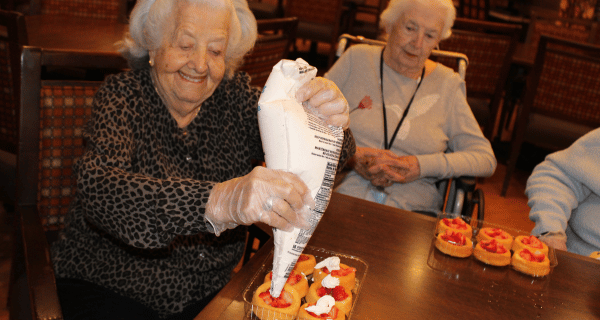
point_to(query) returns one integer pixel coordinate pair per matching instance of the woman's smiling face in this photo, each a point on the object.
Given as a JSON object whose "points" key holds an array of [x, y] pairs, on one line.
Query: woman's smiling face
{"points": [[190, 63], [414, 35]]}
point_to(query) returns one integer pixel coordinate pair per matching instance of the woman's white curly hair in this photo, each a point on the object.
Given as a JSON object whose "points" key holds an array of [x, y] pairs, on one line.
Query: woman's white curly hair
{"points": [[146, 30], [395, 8]]}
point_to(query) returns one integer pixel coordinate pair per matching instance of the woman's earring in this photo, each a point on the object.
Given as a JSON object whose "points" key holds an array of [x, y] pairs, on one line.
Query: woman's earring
{"points": [[151, 62]]}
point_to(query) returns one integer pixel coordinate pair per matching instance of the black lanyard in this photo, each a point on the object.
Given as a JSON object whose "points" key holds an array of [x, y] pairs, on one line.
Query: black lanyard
{"points": [[388, 146]]}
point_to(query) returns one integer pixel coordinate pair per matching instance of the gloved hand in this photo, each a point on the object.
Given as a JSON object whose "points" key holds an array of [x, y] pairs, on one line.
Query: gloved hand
{"points": [[556, 240], [326, 101], [277, 198]]}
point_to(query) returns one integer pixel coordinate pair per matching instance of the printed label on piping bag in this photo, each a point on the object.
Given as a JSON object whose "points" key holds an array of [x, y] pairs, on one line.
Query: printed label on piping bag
{"points": [[296, 141]]}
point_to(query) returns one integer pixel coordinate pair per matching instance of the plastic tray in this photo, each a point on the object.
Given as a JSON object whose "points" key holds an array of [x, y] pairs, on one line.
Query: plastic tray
{"points": [[454, 267], [253, 312]]}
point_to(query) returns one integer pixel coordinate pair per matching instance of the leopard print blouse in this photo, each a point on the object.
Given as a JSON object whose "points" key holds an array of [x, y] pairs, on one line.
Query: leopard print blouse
{"points": [[137, 224]]}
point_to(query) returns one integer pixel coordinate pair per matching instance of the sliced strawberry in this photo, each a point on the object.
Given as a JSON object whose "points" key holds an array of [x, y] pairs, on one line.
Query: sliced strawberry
{"points": [[455, 238], [339, 294], [532, 257], [303, 257], [496, 233], [342, 272], [274, 302], [456, 223], [538, 256], [533, 242], [324, 291], [294, 278], [493, 246]]}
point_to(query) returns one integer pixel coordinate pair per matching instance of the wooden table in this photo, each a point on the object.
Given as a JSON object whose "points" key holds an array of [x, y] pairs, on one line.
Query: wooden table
{"points": [[74, 33], [407, 280]]}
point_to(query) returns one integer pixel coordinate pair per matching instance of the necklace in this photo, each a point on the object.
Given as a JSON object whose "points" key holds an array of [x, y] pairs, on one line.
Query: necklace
{"points": [[385, 135]]}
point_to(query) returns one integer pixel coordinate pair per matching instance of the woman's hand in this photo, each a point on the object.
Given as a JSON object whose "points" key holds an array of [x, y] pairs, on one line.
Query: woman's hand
{"points": [[277, 198], [325, 101], [384, 168]]}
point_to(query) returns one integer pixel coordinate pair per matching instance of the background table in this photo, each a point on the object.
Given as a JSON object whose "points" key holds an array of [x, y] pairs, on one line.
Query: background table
{"points": [[401, 284], [74, 33]]}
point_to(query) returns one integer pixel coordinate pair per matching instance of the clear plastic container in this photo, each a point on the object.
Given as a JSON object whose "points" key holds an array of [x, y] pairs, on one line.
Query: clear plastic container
{"points": [[455, 267], [255, 312]]}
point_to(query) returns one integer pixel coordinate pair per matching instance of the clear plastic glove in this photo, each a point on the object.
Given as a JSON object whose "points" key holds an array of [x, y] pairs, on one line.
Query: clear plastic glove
{"points": [[326, 101], [556, 240], [277, 198]]}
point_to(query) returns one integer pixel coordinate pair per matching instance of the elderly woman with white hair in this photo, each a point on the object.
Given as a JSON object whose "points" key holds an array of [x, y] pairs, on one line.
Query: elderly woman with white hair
{"points": [[167, 176], [409, 115]]}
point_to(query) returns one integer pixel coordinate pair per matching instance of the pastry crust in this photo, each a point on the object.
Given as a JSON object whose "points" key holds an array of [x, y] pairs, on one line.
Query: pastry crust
{"points": [[461, 248], [266, 312], [532, 263], [306, 264], [303, 314], [297, 280], [456, 225], [345, 305], [347, 281], [530, 242], [492, 252], [503, 237]]}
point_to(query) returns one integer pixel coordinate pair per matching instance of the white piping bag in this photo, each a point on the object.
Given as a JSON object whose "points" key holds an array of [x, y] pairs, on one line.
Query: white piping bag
{"points": [[296, 141]]}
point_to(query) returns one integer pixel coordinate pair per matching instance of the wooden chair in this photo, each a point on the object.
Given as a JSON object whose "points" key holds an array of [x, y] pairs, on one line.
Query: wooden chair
{"points": [[561, 101], [53, 114], [11, 40], [115, 10], [266, 9], [473, 9], [490, 47], [367, 16], [13, 34], [319, 21], [275, 37]]}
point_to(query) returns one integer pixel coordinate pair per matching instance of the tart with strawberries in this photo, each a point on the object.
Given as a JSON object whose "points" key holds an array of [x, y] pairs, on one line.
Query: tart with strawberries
{"points": [[346, 274], [454, 244], [492, 252], [456, 225], [530, 242], [324, 308], [270, 308], [306, 264], [534, 263], [501, 236], [342, 296], [297, 280]]}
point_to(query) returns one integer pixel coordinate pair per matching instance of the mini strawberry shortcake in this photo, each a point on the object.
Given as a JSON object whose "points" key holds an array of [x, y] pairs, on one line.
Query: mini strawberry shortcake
{"points": [[297, 280], [270, 308], [454, 244], [306, 264], [534, 263], [324, 308], [503, 237], [492, 252], [331, 286], [332, 265], [530, 242], [456, 225]]}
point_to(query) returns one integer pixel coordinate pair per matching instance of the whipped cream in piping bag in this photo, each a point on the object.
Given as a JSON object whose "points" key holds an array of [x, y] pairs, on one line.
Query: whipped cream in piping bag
{"points": [[296, 141]]}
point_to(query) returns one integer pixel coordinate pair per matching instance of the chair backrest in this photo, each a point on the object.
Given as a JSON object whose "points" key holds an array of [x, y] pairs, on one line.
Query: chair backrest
{"points": [[490, 47], [579, 30], [473, 9], [565, 82], [317, 20], [52, 119], [115, 10], [563, 90], [275, 36], [456, 60], [13, 34]]}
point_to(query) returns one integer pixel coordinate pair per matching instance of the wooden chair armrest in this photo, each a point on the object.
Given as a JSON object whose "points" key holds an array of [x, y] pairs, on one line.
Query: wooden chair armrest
{"points": [[40, 273]]}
